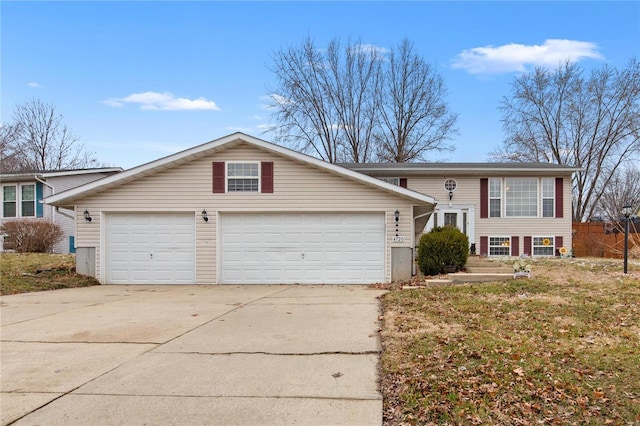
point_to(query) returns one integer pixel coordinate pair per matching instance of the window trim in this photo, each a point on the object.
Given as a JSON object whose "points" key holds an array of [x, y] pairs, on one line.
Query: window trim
{"points": [[552, 241], [499, 198], [257, 178], [19, 200], [540, 198], [507, 240], [552, 183]]}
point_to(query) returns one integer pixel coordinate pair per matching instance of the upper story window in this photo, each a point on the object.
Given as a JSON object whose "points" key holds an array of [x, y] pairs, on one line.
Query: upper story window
{"points": [[19, 200], [391, 180], [243, 177], [495, 197], [9, 206], [450, 185], [548, 197], [521, 197]]}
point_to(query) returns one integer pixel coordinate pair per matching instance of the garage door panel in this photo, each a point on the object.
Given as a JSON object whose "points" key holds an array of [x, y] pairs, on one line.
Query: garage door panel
{"points": [[151, 248], [302, 248]]}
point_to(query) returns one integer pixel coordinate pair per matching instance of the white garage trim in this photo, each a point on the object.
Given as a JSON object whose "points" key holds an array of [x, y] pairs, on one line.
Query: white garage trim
{"points": [[149, 248], [301, 248]]}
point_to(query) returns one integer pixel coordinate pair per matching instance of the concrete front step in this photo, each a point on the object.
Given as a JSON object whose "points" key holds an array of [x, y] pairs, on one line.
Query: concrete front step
{"points": [[489, 270], [470, 277]]}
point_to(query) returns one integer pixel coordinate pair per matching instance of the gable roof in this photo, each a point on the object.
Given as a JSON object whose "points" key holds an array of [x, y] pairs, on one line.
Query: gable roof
{"points": [[20, 177], [217, 145], [459, 168]]}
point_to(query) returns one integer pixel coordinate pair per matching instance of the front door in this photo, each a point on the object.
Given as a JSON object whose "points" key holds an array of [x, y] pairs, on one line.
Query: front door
{"points": [[461, 218]]}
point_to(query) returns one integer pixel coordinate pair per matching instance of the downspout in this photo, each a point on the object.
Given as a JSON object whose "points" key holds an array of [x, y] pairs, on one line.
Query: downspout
{"points": [[53, 191]]}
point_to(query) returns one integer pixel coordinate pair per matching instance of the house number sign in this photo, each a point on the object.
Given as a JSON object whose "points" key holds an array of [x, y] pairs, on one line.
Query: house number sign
{"points": [[398, 239]]}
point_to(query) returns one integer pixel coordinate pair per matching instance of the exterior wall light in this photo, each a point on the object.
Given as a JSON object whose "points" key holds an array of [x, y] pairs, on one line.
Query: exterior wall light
{"points": [[205, 217], [87, 216], [450, 195], [396, 214], [626, 212]]}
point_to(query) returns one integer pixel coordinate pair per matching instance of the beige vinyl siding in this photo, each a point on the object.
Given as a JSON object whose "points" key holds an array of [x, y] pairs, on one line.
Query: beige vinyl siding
{"points": [[468, 193], [298, 187]]}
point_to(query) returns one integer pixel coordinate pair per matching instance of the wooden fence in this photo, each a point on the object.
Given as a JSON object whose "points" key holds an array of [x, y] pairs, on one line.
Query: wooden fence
{"points": [[601, 239]]}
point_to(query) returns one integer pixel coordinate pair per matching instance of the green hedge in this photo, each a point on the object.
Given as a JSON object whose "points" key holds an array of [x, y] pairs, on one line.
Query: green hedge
{"points": [[442, 246]]}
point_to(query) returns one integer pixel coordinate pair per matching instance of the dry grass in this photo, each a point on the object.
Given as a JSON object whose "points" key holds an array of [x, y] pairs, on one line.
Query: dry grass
{"points": [[560, 348], [25, 272]]}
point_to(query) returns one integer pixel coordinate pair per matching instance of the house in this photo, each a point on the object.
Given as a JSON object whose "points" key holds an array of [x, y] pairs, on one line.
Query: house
{"points": [[23, 193], [239, 210], [506, 209]]}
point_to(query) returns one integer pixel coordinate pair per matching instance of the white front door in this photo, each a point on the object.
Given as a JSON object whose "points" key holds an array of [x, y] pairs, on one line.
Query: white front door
{"points": [[460, 217], [304, 248]]}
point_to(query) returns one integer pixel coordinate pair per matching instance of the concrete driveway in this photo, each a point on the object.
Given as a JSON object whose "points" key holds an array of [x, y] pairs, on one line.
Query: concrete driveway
{"points": [[135, 355]]}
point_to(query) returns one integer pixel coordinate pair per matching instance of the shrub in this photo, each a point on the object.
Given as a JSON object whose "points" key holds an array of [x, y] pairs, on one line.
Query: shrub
{"points": [[442, 246], [31, 236]]}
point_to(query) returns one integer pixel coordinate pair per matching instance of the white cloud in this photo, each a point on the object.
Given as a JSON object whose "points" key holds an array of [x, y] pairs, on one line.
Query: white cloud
{"points": [[162, 102], [34, 85], [372, 49], [519, 57]]}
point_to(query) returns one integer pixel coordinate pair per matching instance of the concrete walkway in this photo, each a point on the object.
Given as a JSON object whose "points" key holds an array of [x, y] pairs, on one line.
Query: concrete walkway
{"points": [[228, 355]]}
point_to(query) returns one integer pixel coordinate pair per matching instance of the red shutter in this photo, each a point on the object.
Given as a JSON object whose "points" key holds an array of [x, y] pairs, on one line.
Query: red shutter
{"points": [[484, 246], [403, 182], [527, 246], [484, 198], [218, 177], [559, 198], [515, 246], [266, 177], [558, 241]]}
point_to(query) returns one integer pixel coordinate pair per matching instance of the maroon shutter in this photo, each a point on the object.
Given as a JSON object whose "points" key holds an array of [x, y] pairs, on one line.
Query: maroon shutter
{"points": [[515, 246], [559, 198], [218, 177], [527, 246], [484, 198], [403, 182], [484, 246], [558, 241], [266, 177]]}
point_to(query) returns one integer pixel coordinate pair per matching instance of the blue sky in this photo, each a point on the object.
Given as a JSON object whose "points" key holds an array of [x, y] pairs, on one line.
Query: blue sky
{"points": [[140, 80]]}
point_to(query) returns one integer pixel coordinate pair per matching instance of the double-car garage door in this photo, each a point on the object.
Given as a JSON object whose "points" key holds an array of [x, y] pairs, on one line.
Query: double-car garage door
{"points": [[253, 248]]}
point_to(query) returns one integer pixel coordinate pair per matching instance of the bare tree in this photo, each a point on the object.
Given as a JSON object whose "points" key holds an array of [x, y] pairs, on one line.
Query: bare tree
{"points": [[40, 140], [10, 160], [354, 104], [623, 189], [559, 116], [415, 117], [326, 99]]}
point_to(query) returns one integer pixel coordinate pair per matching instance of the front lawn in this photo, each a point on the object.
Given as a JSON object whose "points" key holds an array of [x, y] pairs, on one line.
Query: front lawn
{"points": [[560, 348], [25, 272]]}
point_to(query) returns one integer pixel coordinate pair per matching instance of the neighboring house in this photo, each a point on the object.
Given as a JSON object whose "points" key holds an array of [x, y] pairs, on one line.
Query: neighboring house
{"points": [[506, 209], [239, 210], [22, 198]]}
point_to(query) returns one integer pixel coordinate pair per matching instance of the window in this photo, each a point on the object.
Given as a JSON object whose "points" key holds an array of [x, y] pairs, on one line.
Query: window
{"points": [[450, 219], [243, 177], [521, 197], [9, 201], [450, 184], [499, 246], [543, 246], [548, 197], [28, 200], [495, 194], [391, 180]]}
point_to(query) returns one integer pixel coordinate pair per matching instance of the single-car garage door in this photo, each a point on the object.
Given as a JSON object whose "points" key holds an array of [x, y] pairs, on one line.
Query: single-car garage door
{"points": [[150, 248], [304, 248]]}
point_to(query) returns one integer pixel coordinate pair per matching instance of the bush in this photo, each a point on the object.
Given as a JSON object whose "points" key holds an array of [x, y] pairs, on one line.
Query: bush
{"points": [[31, 236], [443, 246]]}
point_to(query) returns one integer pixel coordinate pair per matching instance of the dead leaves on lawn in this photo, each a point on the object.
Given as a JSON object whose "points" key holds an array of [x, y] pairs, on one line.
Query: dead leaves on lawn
{"points": [[568, 353]]}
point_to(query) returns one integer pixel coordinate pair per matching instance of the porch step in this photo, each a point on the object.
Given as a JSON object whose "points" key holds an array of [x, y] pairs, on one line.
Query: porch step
{"points": [[482, 265], [472, 277]]}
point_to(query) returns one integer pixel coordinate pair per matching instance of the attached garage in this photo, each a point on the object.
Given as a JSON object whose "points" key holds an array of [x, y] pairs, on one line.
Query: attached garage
{"points": [[302, 248], [150, 248], [240, 210]]}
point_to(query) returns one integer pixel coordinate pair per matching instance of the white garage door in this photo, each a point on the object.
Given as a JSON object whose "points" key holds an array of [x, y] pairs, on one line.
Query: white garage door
{"points": [[327, 248], [150, 248]]}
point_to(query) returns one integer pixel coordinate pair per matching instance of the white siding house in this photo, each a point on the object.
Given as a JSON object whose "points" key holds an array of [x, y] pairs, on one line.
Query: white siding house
{"points": [[239, 210], [23, 193]]}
